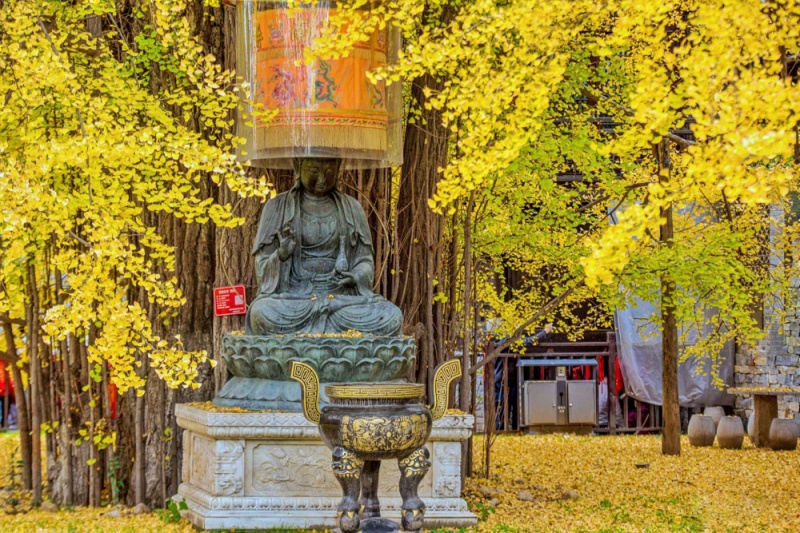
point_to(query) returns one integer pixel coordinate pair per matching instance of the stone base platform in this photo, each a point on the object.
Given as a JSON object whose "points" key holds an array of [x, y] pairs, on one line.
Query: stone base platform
{"points": [[261, 470]]}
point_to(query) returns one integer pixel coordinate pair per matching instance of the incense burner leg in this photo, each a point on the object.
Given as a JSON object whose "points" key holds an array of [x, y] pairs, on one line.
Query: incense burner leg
{"points": [[413, 468], [347, 468], [370, 506]]}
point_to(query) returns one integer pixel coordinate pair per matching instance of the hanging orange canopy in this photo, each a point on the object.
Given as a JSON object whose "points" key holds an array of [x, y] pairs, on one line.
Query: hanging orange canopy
{"points": [[325, 109]]}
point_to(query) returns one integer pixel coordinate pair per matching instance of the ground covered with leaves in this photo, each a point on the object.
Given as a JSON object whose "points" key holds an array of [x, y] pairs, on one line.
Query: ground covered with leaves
{"points": [[551, 483], [623, 483]]}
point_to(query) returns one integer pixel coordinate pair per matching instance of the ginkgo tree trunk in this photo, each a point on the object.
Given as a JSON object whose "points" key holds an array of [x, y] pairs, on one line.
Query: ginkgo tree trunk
{"points": [[671, 439]]}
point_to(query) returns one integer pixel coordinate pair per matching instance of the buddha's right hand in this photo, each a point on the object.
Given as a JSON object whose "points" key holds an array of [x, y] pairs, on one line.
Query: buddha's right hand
{"points": [[286, 243]]}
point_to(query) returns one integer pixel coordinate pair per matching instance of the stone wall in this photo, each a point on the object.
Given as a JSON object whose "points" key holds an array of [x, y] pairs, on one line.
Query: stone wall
{"points": [[773, 362]]}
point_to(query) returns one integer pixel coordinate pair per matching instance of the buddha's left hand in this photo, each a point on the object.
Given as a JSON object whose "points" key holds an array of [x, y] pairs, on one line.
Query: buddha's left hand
{"points": [[345, 279]]}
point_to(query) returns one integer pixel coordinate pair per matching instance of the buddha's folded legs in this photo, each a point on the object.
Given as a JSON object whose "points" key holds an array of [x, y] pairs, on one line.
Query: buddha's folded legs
{"points": [[285, 316], [275, 316], [379, 317]]}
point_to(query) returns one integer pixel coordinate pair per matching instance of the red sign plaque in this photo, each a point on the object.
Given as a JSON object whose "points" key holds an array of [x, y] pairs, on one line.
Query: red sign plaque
{"points": [[229, 301]]}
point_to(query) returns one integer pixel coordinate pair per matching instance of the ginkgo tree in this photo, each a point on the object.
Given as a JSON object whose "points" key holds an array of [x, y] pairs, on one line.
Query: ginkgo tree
{"points": [[105, 124], [88, 147], [691, 208]]}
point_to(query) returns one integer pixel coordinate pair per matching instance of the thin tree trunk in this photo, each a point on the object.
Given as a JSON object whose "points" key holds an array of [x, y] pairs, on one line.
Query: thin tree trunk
{"points": [[109, 455], [671, 438], [466, 345], [32, 320], [23, 415], [92, 464], [464, 388], [80, 454], [430, 275], [138, 476], [66, 421], [65, 484]]}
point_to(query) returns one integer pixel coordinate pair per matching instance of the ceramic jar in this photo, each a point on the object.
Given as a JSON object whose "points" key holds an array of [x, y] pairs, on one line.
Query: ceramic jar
{"points": [[716, 413], [751, 427], [701, 430], [783, 433], [730, 432]]}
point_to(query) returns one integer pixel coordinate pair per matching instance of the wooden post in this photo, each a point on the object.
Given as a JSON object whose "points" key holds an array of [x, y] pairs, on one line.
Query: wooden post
{"points": [[6, 397], [612, 384], [489, 416], [765, 408], [520, 392], [505, 395]]}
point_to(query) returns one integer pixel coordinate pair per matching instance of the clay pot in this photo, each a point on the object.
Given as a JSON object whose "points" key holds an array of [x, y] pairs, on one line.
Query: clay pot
{"points": [[751, 427], [783, 434], [701, 430], [730, 433], [716, 413]]}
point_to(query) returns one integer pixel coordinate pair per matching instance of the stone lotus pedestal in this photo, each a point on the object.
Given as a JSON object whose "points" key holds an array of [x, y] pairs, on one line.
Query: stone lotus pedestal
{"points": [[263, 470], [260, 365]]}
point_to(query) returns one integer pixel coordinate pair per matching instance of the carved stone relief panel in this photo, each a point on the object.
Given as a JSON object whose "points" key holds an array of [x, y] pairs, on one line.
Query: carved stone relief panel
{"points": [[186, 470], [284, 469], [289, 470], [228, 467], [446, 469], [201, 468]]}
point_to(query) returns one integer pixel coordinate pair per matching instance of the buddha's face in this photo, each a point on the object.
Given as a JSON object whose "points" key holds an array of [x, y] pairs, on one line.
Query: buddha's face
{"points": [[318, 176]]}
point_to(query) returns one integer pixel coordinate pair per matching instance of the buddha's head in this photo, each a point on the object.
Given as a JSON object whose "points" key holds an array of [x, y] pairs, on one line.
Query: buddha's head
{"points": [[317, 175]]}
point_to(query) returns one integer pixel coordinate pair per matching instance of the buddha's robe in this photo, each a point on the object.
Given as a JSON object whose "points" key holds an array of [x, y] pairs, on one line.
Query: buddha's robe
{"points": [[300, 295]]}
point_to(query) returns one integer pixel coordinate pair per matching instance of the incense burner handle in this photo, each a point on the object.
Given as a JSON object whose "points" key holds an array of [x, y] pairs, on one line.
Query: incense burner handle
{"points": [[309, 382], [443, 376]]}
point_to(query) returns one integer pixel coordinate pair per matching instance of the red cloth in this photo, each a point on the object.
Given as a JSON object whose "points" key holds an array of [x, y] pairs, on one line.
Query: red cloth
{"points": [[601, 361], [112, 399], [5, 378], [618, 372]]}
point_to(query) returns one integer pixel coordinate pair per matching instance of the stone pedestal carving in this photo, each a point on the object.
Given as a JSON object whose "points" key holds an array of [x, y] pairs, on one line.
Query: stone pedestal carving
{"points": [[263, 470]]}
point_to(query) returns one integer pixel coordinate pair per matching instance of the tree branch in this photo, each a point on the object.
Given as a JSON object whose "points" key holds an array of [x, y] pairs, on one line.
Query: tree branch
{"points": [[548, 307], [629, 112], [680, 140], [602, 97], [8, 320]]}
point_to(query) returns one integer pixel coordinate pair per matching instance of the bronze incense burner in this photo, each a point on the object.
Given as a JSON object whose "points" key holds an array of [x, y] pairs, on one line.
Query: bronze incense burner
{"points": [[365, 423]]}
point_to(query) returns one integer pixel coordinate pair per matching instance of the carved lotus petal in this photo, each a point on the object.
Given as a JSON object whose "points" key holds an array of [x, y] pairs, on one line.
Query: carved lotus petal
{"points": [[241, 366], [283, 354], [354, 353], [318, 354], [227, 355], [254, 352], [387, 353], [368, 369], [396, 368], [336, 370], [267, 368]]}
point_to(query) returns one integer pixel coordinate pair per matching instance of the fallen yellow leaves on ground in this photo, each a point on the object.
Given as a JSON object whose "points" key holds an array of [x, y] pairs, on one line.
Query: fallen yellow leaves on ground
{"points": [[568, 483], [623, 483]]}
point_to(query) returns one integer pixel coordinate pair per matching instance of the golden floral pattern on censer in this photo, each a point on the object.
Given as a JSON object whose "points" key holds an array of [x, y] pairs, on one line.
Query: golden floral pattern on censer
{"points": [[380, 434]]}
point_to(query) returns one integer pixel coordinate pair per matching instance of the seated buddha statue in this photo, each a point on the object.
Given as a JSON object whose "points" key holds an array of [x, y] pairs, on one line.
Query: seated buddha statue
{"points": [[314, 262]]}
